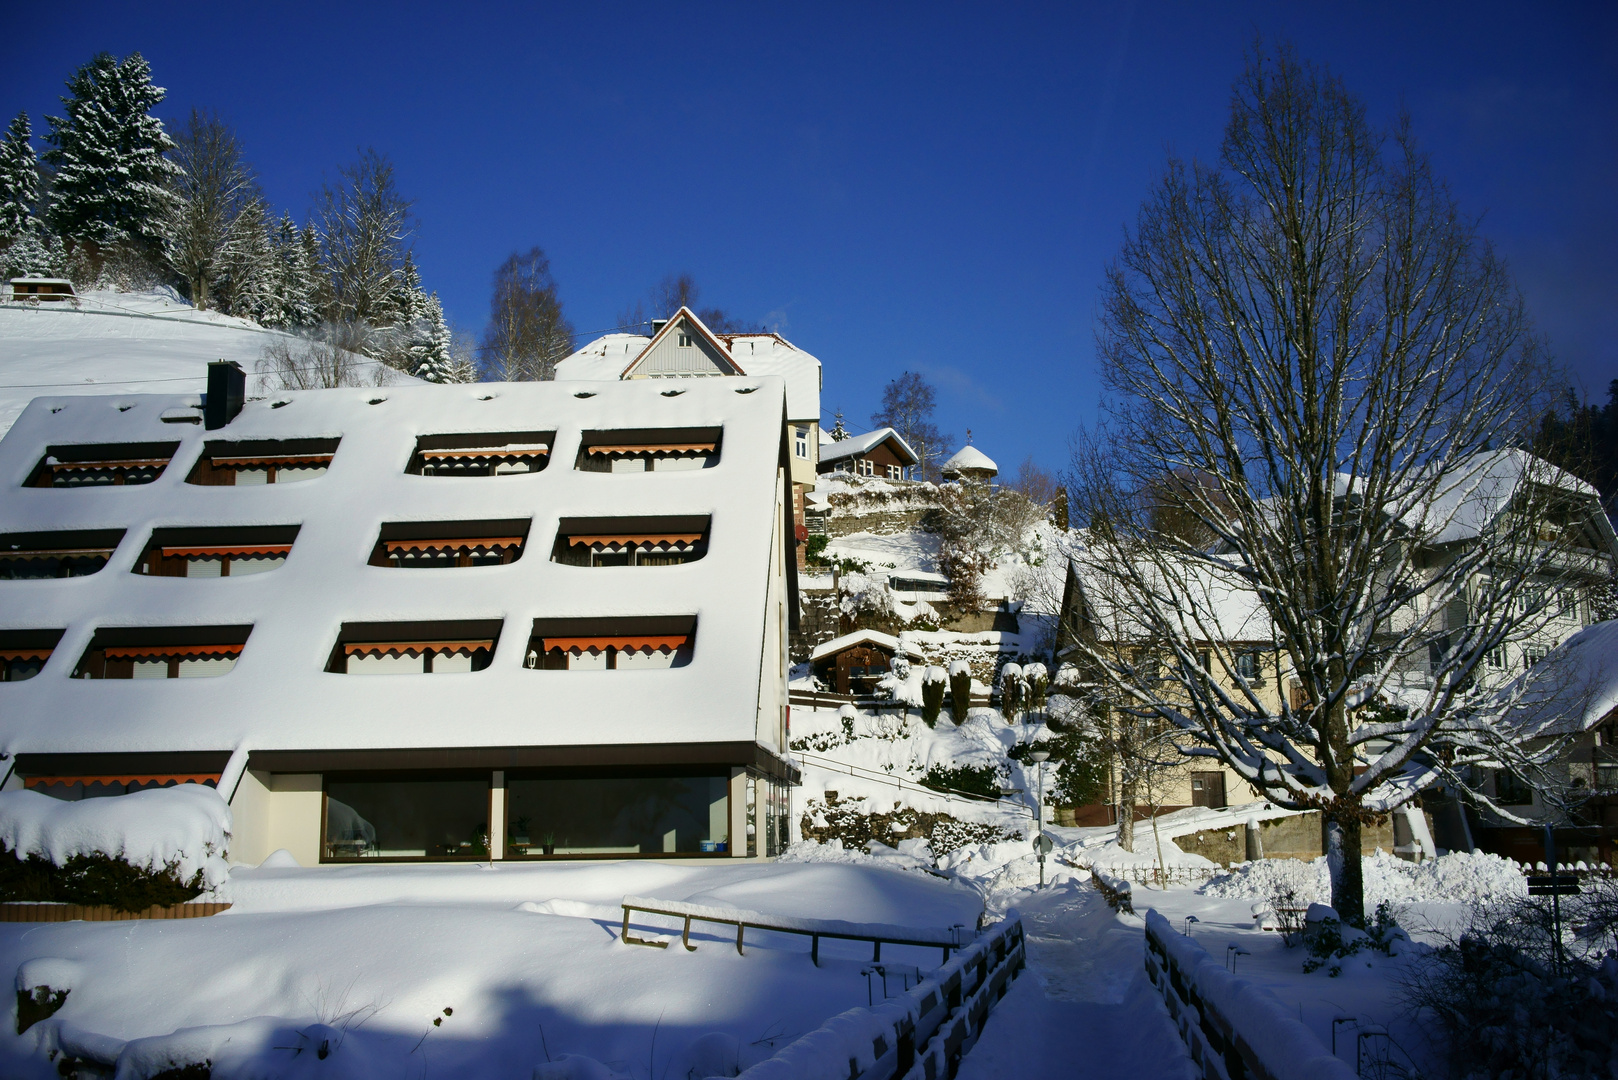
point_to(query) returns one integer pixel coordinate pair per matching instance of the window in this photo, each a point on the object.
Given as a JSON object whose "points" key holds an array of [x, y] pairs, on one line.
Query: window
{"points": [[406, 817], [1533, 654], [429, 545], [685, 341], [866, 467], [510, 453], [896, 472], [1531, 599], [23, 653], [652, 814], [102, 465], [26, 556], [414, 648], [215, 553], [179, 652], [611, 644], [1496, 658], [647, 541], [1511, 789], [1249, 667], [262, 461], [802, 440], [648, 450]]}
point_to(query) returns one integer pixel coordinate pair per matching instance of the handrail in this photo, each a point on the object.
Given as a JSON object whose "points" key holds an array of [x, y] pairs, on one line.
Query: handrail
{"points": [[898, 781]]}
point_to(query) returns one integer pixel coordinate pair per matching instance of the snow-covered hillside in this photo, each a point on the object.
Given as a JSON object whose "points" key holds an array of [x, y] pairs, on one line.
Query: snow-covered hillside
{"points": [[152, 342]]}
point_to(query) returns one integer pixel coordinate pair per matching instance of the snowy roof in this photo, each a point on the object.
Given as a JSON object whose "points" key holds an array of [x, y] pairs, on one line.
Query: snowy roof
{"points": [[1572, 689], [613, 355], [863, 637], [279, 696], [857, 445], [970, 457], [1477, 490], [1210, 606]]}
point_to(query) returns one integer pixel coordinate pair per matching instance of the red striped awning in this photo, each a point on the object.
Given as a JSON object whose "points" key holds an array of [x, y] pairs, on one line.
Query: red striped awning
{"points": [[627, 642], [91, 466], [221, 551], [25, 654], [654, 448], [137, 652], [634, 539], [285, 459], [492, 543], [124, 778], [412, 648], [486, 452]]}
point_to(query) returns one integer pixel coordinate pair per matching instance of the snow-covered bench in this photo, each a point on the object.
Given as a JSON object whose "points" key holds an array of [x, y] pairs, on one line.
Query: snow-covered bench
{"points": [[947, 939]]}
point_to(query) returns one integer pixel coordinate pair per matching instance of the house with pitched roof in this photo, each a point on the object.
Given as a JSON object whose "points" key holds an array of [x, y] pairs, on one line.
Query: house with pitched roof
{"points": [[881, 453]]}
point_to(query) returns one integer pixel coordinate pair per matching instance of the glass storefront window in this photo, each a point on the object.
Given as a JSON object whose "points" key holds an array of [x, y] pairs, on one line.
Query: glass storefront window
{"points": [[407, 818], [616, 815]]}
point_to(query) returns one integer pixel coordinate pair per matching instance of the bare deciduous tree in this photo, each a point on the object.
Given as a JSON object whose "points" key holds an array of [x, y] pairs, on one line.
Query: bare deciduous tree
{"points": [[527, 332], [1313, 326], [331, 355], [907, 407], [215, 198], [364, 226], [670, 295]]}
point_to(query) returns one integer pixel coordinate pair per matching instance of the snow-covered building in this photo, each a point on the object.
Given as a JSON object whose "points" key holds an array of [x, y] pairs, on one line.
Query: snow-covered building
{"points": [[970, 463], [882, 452], [269, 602], [682, 347], [856, 662]]}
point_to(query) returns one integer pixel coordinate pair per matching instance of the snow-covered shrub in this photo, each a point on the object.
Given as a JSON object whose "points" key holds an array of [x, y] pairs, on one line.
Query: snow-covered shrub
{"points": [[851, 824], [1038, 680], [960, 690], [980, 780], [1330, 942], [1012, 692], [933, 681], [156, 847]]}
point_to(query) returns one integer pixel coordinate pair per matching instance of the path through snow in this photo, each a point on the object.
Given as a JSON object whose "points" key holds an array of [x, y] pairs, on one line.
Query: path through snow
{"points": [[1084, 1005]]}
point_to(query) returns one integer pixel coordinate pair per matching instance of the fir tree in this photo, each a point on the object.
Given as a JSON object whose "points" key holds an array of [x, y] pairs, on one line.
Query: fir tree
{"points": [[108, 154], [247, 268], [431, 359], [840, 432], [410, 302], [19, 179], [35, 252]]}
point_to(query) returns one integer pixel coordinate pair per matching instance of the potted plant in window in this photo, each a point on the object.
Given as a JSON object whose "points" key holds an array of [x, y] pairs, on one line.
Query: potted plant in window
{"points": [[548, 843]]}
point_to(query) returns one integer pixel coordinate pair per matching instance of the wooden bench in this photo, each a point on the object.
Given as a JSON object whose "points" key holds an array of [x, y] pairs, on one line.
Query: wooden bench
{"points": [[814, 929]]}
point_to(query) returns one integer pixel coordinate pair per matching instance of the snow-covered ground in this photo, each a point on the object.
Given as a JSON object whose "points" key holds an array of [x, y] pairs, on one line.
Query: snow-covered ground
{"points": [[516, 964], [110, 343]]}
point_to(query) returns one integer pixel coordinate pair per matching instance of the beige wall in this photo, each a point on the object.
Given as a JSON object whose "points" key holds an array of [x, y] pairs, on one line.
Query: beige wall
{"points": [[271, 811]]}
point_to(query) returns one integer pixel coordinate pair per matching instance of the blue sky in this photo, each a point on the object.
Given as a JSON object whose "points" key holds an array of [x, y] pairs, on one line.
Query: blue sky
{"points": [[928, 187]]}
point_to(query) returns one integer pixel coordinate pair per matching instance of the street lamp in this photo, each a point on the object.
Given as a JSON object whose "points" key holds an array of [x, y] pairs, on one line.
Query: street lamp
{"points": [[1041, 844]]}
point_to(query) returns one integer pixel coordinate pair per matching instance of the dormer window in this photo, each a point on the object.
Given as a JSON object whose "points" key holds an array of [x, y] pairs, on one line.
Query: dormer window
{"points": [[417, 648], [177, 652], [63, 554], [428, 545], [23, 652], [102, 465], [216, 553], [649, 450], [611, 644], [510, 453], [262, 461], [645, 541]]}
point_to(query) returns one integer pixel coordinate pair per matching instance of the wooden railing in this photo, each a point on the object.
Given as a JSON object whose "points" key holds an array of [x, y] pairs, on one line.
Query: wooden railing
{"points": [[922, 1033]]}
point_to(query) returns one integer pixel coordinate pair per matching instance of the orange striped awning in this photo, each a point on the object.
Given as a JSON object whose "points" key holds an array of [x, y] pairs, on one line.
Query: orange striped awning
{"points": [[137, 652], [124, 778], [412, 648], [25, 654], [284, 459], [223, 550], [490, 542], [628, 642], [654, 448], [631, 539], [122, 463], [487, 452]]}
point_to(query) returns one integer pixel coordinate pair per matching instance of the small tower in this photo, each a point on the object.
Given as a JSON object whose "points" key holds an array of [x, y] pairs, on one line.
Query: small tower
{"points": [[970, 463]]}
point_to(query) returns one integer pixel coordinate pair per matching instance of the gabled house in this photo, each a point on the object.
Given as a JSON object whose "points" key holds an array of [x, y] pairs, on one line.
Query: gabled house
{"points": [[881, 453], [855, 663], [682, 347], [455, 637]]}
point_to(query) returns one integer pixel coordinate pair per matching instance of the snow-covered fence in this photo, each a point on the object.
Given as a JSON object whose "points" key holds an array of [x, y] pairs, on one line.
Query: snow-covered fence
{"points": [[1234, 1028], [1114, 890], [922, 1033], [1152, 874]]}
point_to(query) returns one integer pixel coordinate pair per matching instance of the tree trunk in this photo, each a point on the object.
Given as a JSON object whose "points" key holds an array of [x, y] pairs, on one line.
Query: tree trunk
{"points": [[1126, 814], [1344, 865]]}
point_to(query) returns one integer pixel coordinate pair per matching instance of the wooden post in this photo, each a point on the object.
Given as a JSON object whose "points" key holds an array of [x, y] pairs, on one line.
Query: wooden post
{"points": [[876, 951], [685, 936], [814, 949], [739, 929], [625, 935]]}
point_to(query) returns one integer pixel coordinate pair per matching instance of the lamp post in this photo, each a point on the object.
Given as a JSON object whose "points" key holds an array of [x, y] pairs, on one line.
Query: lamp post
{"points": [[1039, 757]]}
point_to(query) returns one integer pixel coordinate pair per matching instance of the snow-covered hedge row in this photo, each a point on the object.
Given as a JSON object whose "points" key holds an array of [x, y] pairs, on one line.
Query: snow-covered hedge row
{"points": [[183, 829]]}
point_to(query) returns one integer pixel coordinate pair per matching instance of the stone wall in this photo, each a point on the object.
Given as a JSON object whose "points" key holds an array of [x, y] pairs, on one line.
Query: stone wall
{"points": [[1297, 836]]}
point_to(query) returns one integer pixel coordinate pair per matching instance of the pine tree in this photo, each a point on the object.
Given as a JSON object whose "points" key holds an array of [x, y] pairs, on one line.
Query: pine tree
{"points": [[19, 179], [35, 252], [108, 154], [247, 268], [840, 432], [312, 274], [431, 360], [409, 301]]}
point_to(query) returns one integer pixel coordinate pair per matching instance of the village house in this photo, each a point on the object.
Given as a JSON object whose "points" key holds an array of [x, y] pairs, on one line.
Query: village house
{"points": [[856, 662], [524, 621], [880, 453], [682, 347]]}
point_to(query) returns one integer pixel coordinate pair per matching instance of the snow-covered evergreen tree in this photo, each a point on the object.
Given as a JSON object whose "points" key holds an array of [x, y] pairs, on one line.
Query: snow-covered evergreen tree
{"points": [[107, 154], [291, 302], [410, 301], [431, 359], [19, 179], [247, 268], [840, 432], [35, 252]]}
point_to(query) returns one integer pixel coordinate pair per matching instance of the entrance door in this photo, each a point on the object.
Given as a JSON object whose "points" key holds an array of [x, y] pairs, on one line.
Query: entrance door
{"points": [[1208, 789]]}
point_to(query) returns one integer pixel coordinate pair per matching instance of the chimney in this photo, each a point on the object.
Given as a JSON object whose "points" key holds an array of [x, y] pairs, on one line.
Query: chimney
{"points": [[227, 384], [657, 326]]}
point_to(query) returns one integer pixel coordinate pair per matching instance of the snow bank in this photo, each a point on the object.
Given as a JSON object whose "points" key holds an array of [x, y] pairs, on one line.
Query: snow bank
{"points": [[186, 826], [1458, 878]]}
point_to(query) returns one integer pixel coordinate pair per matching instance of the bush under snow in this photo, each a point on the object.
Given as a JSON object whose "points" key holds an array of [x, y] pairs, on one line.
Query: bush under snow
{"points": [[183, 829], [1458, 878]]}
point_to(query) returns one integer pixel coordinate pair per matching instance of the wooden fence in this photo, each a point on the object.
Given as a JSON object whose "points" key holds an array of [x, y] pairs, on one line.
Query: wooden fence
{"points": [[44, 913]]}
